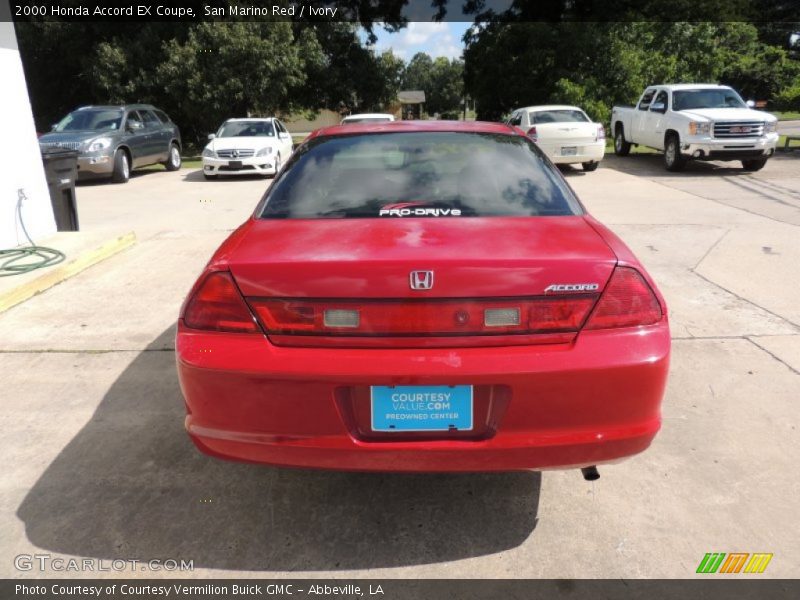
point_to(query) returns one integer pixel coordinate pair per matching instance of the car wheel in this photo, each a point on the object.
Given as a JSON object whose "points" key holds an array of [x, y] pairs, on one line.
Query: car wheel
{"points": [[621, 147], [755, 164], [174, 161], [590, 166], [122, 167], [673, 161]]}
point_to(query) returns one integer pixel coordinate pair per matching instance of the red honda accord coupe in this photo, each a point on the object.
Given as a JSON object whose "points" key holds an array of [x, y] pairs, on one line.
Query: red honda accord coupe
{"points": [[425, 296]]}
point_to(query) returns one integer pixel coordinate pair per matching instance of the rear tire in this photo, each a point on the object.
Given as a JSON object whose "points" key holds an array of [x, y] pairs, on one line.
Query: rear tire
{"points": [[673, 161], [174, 159], [122, 167], [621, 147], [755, 164], [590, 166]]}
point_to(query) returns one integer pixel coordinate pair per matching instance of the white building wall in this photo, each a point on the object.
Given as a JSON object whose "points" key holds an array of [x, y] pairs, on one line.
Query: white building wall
{"points": [[20, 160]]}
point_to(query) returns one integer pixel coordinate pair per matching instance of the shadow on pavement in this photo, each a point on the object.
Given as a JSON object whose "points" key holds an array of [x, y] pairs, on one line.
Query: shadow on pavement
{"points": [[91, 181], [197, 175], [130, 485], [652, 165], [571, 171]]}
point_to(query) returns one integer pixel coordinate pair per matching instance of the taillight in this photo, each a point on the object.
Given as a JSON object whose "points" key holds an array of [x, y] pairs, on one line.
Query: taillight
{"points": [[601, 133], [532, 134], [627, 301], [217, 305], [423, 318]]}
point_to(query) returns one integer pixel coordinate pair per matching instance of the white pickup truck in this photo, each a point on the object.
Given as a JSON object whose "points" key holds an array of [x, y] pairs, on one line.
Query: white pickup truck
{"points": [[696, 121]]}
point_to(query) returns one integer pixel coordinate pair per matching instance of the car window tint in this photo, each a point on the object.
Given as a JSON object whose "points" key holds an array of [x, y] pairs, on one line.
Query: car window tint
{"points": [[426, 174], [162, 116], [150, 120], [134, 116], [91, 120], [646, 99], [246, 129], [706, 98], [558, 116], [662, 98]]}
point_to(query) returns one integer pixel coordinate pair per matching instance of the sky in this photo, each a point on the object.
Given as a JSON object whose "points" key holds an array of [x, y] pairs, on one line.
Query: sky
{"points": [[436, 39], [422, 34]]}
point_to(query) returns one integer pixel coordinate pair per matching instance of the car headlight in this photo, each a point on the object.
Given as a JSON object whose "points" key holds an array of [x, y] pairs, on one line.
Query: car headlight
{"points": [[770, 127], [699, 128], [99, 144], [264, 151], [209, 153]]}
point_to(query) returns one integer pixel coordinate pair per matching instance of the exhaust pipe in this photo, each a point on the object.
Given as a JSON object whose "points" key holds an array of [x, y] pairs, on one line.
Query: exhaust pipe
{"points": [[590, 473]]}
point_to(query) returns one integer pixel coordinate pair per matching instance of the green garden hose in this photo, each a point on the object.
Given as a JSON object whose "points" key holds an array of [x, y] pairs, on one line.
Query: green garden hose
{"points": [[16, 261]]}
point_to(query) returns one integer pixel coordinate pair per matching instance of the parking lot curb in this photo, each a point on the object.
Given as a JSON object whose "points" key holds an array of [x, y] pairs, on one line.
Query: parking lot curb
{"points": [[66, 270]]}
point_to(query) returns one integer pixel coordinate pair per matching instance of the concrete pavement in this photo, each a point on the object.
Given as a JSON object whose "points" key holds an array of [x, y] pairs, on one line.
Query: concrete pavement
{"points": [[98, 464]]}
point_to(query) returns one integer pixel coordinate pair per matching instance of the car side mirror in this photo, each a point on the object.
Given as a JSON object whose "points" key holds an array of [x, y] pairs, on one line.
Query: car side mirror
{"points": [[211, 136], [135, 125], [283, 136], [53, 126], [658, 107], [751, 104]]}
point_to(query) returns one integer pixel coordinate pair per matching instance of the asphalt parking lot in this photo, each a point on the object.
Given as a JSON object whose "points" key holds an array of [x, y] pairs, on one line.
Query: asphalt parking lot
{"points": [[96, 463]]}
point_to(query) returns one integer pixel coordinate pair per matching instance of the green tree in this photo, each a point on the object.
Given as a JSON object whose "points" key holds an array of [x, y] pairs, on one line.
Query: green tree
{"points": [[419, 72], [232, 69], [446, 90], [442, 80]]}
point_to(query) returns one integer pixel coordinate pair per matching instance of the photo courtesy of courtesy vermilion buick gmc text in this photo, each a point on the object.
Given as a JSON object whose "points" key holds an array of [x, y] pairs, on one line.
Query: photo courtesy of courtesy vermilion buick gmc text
{"points": [[423, 296]]}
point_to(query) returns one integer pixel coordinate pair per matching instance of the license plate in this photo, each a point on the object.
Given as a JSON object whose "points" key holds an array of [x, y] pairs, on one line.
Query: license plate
{"points": [[569, 150], [236, 164], [421, 407]]}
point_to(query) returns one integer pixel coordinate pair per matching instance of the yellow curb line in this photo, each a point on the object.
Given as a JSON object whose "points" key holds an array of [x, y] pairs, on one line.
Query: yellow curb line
{"points": [[65, 270]]}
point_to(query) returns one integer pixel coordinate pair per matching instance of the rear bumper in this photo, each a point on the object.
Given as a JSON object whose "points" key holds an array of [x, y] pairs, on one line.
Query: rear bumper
{"points": [[591, 152], [568, 405]]}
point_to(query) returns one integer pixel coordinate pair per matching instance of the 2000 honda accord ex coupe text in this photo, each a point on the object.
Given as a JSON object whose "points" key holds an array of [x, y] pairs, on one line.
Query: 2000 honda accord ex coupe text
{"points": [[424, 296]]}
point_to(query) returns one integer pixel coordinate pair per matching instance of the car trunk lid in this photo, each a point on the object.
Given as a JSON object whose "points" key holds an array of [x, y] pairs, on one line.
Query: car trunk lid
{"points": [[337, 266]]}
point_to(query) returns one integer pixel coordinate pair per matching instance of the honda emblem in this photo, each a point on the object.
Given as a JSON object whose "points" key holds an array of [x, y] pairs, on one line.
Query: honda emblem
{"points": [[421, 280]]}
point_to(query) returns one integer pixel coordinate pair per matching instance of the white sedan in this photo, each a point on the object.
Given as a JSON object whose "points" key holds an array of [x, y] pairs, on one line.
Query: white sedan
{"points": [[565, 133], [247, 147], [368, 118]]}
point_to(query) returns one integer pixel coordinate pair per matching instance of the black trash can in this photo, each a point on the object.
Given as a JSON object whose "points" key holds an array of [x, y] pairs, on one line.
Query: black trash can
{"points": [[61, 171]]}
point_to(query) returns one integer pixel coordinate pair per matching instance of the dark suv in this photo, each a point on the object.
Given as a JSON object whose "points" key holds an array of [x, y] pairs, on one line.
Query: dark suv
{"points": [[112, 140]]}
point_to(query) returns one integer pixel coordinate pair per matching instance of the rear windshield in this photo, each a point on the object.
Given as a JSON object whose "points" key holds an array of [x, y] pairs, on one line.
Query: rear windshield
{"points": [[558, 116], [421, 174]]}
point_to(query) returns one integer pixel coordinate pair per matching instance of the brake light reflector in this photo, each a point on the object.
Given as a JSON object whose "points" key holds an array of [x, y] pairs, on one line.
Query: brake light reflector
{"points": [[627, 301], [435, 317], [217, 305], [532, 134]]}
